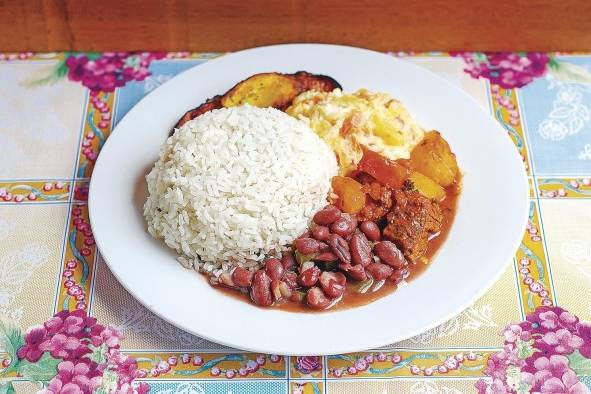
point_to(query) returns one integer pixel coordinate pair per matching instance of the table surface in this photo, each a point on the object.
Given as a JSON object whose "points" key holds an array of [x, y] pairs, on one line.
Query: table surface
{"points": [[228, 25], [52, 127]]}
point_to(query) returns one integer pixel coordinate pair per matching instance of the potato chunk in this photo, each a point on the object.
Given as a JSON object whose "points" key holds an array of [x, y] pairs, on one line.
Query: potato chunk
{"points": [[434, 159], [427, 186]]}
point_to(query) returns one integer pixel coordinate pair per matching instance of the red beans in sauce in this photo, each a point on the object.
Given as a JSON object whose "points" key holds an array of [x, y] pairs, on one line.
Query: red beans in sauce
{"points": [[343, 226], [307, 245], [242, 277], [389, 254], [288, 260], [274, 269], [327, 216], [340, 248], [260, 291], [320, 233], [379, 271], [309, 277], [316, 298], [360, 250], [371, 230]]}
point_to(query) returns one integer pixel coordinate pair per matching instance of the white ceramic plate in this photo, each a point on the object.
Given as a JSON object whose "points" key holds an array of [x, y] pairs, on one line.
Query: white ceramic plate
{"points": [[488, 227]]}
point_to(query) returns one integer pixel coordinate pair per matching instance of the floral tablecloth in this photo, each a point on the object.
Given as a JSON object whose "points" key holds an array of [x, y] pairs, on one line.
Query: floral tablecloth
{"points": [[68, 325]]}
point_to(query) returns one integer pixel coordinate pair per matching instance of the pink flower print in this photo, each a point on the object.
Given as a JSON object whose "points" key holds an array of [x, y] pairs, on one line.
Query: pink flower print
{"points": [[81, 377], [143, 388], [567, 319], [497, 387], [72, 325], [53, 325], [31, 350], [535, 318], [512, 332], [584, 332], [111, 337], [562, 341], [61, 346], [110, 70], [481, 386], [549, 320], [510, 357], [251, 366], [54, 386], [451, 363], [546, 319], [546, 368], [71, 388], [75, 322], [361, 365], [507, 69], [127, 369], [81, 192], [527, 378], [95, 333], [567, 384], [308, 364], [495, 367]]}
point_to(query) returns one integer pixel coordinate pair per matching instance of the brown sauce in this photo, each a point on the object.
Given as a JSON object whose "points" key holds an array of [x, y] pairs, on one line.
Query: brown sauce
{"points": [[352, 298]]}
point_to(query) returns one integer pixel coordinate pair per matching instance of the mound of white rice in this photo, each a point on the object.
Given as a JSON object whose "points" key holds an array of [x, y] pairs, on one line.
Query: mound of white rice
{"points": [[235, 185]]}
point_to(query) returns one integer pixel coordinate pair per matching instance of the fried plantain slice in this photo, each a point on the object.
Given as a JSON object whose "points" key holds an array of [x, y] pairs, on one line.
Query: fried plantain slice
{"points": [[264, 90], [319, 82], [210, 104]]}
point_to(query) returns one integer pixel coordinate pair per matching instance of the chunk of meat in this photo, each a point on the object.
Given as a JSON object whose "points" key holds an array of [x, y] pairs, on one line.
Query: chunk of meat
{"points": [[378, 200], [412, 221]]}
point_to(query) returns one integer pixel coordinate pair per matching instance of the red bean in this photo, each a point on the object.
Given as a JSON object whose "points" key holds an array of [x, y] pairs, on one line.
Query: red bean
{"points": [[371, 230], [309, 277], [333, 283], [389, 254], [260, 292], [326, 257], [326, 216], [274, 269], [307, 245], [316, 299], [320, 233], [360, 250], [339, 247], [357, 272], [343, 226], [242, 277], [323, 247], [291, 279], [296, 296], [288, 260], [400, 275], [379, 271]]}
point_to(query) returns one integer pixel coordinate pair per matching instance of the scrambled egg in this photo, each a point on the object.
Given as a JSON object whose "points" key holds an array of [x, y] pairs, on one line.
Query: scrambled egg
{"points": [[348, 121]]}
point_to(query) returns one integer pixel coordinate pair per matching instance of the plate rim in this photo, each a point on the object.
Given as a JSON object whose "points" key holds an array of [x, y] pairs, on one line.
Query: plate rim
{"points": [[339, 349]]}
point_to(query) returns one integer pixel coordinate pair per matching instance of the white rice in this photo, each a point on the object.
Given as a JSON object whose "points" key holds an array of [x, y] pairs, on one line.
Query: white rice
{"points": [[235, 185]]}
